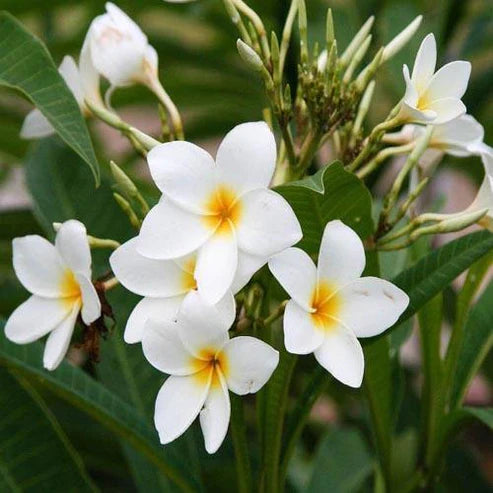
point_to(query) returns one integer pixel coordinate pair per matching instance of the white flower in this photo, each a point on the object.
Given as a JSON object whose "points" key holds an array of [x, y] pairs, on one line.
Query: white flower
{"points": [[331, 305], [222, 210], [434, 97], [84, 84], [119, 49], [59, 278], [204, 364], [165, 284]]}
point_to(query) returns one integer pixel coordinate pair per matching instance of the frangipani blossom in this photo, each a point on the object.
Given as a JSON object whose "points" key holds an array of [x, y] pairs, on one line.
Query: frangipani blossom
{"points": [[434, 97], [59, 278], [83, 83], [119, 50], [484, 198], [165, 284], [222, 210], [331, 305], [203, 364]]}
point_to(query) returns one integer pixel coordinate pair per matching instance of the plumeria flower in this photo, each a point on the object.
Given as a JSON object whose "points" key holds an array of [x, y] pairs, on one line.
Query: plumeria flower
{"points": [[203, 364], [165, 284], [331, 305], [59, 278], [84, 84], [222, 210], [119, 49], [434, 97]]}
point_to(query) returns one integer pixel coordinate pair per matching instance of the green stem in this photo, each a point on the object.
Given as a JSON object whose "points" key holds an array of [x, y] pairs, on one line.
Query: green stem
{"points": [[275, 411], [240, 444], [308, 150], [286, 33]]}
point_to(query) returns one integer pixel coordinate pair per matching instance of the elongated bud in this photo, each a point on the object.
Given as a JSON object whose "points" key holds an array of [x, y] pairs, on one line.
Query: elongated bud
{"points": [[455, 223], [363, 107], [274, 53], [302, 24], [232, 11], [356, 41], [287, 98], [397, 43], [127, 209], [125, 185], [249, 56], [369, 71], [355, 61], [329, 29]]}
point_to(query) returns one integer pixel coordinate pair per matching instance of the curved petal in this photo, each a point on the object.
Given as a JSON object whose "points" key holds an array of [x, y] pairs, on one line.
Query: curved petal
{"points": [[216, 266], [425, 63], [146, 276], [202, 326], [250, 363], [214, 417], [38, 266], [449, 82], [458, 135], [59, 339], [411, 95], [342, 255], [73, 246], [410, 114], [35, 318], [248, 265], [89, 76], [70, 72], [178, 403], [246, 158], [160, 309], [296, 273], [342, 356], [165, 351], [446, 109], [300, 334], [36, 126], [169, 232], [371, 305], [267, 223], [91, 306], [184, 172]]}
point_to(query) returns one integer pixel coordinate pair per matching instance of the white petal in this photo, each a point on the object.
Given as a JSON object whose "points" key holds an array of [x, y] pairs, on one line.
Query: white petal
{"points": [[411, 95], [216, 266], [411, 114], [425, 62], [458, 135], [58, 341], [184, 172], [342, 356], [267, 223], [202, 326], [164, 350], [449, 82], [250, 363], [214, 417], [73, 246], [446, 109], [300, 334], [169, 232], [38, 265], [342, 255], [89, 76], [371, 305], [35, 318], [70, 72], [178, 403], [246, 158], [146, 276], [91, 306], [36, 126], [161, 309], [296, 273], [248, 265]]}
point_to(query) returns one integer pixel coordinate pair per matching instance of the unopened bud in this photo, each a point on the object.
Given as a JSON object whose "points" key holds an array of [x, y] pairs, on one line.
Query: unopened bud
{"points": [[124, 183], [249, 56], [356, 41], [460, 222], [397, 43]]}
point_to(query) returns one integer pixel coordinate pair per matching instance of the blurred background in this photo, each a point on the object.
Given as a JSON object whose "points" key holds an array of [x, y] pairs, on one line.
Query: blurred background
{"points": [[201, 70]]}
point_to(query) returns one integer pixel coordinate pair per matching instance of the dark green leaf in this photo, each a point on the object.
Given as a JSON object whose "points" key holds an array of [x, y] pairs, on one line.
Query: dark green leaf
{"points": [[26, 65], [332, 193], [483, 414]]}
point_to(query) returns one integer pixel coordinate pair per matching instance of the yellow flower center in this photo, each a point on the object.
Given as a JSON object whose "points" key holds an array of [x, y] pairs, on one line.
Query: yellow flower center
{"points": [[224, 209], [209, 361], [69, 288], [326, 305], [188, 280]]}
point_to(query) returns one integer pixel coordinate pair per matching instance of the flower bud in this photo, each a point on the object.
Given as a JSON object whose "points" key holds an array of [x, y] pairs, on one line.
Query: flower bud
{"points": [[397, 43], [249, 56]]}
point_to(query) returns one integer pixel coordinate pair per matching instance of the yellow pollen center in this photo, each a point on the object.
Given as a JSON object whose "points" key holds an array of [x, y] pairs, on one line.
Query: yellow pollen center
{"points": [[224, 208], [326, 305], [69, 287], [188, 280], [208, 362]]}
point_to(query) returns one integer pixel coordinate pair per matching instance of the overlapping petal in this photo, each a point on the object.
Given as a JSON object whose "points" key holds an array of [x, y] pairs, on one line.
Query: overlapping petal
{"points": [[91, 305], [450, 81], [424, 63], [73, 246]]}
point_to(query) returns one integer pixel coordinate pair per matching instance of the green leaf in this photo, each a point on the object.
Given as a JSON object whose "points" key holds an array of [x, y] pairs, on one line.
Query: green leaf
{"points": [[478, 339], [35, 454], [80, 390], [332, 193], [435, 271], [483, 414], [26, 65], [342, 463]]}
